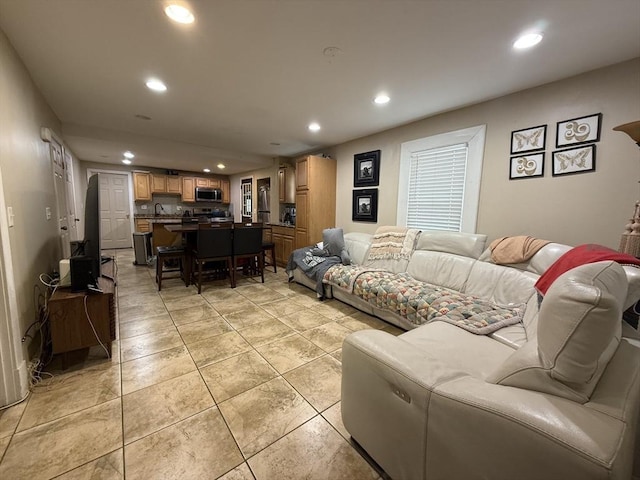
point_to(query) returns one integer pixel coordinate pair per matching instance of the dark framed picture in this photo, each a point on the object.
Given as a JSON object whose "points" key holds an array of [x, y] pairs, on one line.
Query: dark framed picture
{"points": [[528, 139], [365, 205], [576, 131], [366, 169], [574, 160], [527, 166]]}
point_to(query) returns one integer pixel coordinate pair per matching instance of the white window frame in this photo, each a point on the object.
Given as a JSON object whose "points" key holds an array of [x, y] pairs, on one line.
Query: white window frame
{"points": [[474, 138]]}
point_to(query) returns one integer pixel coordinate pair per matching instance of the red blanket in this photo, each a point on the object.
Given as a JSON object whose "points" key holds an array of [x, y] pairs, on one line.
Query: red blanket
{"points": [[588, 253]]}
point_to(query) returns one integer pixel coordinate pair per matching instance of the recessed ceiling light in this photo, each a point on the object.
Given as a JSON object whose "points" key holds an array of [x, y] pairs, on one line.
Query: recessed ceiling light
{"points": [[179, 14], [126, 161], [527, 41], [221, 166], [156, 85], [314, 127], [381, 99], [206, 170], [128, 154]]}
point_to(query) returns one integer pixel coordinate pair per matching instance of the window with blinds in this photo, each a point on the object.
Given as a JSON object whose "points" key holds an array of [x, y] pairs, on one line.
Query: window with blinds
{"points": [[437, 187]]}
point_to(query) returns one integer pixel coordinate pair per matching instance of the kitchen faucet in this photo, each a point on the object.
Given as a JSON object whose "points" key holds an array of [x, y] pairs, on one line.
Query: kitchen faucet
{"points": [[155, 209]]}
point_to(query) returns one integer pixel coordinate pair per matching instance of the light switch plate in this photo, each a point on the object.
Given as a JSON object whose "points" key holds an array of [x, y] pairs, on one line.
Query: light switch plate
{"points": [[10, 216], [47, 212]]}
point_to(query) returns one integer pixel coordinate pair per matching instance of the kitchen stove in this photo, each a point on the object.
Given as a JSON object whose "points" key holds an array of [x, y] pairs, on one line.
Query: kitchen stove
{"points": [[213, 215]]}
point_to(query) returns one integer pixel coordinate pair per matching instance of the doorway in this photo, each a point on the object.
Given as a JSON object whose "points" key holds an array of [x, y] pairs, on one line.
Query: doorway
{"points": [[246, 199], [60, 189], [115, 219]]}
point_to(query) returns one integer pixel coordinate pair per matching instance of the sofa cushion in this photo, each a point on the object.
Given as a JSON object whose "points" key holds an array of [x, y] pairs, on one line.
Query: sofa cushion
{"points": [[357, 244], [579, 329], [465, 244]]}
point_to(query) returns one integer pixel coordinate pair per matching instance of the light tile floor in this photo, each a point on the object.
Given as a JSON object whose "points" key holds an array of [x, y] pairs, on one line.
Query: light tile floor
{"points": [[232, 384]]}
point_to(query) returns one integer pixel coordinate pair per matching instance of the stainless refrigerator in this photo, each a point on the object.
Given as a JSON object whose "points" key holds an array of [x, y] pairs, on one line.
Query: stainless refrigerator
{"points": [[264, 210]]}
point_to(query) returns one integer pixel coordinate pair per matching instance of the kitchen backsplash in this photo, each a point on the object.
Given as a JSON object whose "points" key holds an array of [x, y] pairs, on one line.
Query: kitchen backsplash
{"points": [[171, 205]]}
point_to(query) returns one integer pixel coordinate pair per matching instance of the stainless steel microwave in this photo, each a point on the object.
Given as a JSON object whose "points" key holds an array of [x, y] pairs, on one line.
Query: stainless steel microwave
{"points": [[208, 194]]}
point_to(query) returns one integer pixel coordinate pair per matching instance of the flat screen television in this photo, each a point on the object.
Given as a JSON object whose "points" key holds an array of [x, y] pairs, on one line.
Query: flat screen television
{"points": [[92, 224]]}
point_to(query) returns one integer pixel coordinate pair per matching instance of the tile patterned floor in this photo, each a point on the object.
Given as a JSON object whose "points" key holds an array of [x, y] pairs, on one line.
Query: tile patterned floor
{"points": [[235, 384]]}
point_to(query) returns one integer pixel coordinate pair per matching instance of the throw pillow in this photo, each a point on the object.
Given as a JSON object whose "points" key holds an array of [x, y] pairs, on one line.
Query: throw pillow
{"points": [[333, 242]]}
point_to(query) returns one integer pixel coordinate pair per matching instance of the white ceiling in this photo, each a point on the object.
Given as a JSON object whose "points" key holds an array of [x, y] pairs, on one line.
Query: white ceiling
{"points": [[249, 73]]}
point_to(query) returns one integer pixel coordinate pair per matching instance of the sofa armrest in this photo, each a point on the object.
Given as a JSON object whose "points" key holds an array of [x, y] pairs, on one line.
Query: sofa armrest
{"points": [[386, 388]]}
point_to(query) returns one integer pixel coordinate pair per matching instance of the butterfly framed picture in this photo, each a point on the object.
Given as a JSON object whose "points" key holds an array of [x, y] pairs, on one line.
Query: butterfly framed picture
{"points": [[529, 139], [574, 160]]}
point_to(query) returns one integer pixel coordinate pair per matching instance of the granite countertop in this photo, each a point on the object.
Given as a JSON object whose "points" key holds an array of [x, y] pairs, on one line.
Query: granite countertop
{"points": [[152, 216], [282, 224]]}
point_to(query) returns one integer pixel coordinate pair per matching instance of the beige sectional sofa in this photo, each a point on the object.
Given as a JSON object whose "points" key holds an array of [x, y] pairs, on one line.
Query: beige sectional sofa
{"points": [[554, 396]]}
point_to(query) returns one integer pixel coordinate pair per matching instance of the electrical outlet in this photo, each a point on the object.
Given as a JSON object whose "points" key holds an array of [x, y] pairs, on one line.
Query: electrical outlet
{"points": [[178, 208], [47, 212], [143, 206]]}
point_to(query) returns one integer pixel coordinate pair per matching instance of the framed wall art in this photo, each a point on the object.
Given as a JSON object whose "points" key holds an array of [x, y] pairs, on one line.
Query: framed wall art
{"points": [[579, 130], [527, 166], [366, 169], [528, 139], [365, 205], [574, 160]]}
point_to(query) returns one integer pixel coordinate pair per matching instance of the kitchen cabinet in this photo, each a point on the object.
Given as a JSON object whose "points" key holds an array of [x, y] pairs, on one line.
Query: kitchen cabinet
{"points": [[142, 225], [141, 186], [158, 183], [174, 184], [283, 240], [188, 189], [315, 198], [225, 185], [286, 185]]}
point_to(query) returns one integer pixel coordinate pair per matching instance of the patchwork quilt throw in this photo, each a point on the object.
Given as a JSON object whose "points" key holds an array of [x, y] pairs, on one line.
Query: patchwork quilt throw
{"points": [[419, 302]]}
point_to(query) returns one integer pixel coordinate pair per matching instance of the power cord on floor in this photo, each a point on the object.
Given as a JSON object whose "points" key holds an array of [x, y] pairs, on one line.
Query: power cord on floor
{"points": [[86, 311]]}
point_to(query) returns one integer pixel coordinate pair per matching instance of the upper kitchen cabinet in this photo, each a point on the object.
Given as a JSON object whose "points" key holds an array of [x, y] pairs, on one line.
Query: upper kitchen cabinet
{"points": [[315, 198], [174, 184], [188, 189], [225, 186], [158, 183], [286, 185], [141, 186]]}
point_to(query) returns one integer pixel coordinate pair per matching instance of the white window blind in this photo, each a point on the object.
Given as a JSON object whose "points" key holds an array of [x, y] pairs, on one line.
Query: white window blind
{"points": [[437, 187]]}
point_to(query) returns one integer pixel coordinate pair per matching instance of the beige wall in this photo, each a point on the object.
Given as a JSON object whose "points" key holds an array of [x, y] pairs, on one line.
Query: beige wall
{"points": [[573, 209], [27, 178]]}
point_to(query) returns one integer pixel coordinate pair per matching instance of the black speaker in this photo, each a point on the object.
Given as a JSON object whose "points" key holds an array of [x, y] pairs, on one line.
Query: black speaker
{"points": [[83, 272]]}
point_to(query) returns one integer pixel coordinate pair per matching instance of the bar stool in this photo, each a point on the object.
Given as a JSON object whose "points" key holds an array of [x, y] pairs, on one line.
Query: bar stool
{"points": [[271, 248], [166, 254]]}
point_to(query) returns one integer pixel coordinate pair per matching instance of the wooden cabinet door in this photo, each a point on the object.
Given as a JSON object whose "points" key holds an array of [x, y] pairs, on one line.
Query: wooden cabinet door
{"points": [[141, 186], [287, 248], [282, 185], [302, 173], [174, 184], [142, 225], [214, 183], [225, 185], [188, 189], [278, 243], [202, 182], [158, 183]]}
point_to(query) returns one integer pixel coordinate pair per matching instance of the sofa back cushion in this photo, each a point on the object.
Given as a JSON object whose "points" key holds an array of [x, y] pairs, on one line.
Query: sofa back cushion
{"points": [[357, 244], [579, 329], [442, 269], [500, 284], [465, 244]]}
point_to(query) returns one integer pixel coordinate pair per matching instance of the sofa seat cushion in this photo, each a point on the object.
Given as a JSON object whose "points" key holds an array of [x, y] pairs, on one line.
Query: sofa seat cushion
{"points": [[420, 302]]}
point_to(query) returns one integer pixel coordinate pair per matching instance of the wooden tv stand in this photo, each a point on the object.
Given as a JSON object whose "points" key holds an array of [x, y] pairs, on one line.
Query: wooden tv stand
{"points": [[70, 328]]}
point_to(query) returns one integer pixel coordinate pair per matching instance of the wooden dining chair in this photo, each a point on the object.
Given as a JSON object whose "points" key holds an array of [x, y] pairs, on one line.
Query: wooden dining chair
{"points": [[247, 244], [214, 243], [269, 246]]}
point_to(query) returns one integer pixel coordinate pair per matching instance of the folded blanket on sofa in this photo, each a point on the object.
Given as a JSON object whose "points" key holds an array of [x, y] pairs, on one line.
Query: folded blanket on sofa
{"points": [[580, 255], [518, 249], [314, 262], [391, 248]]}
